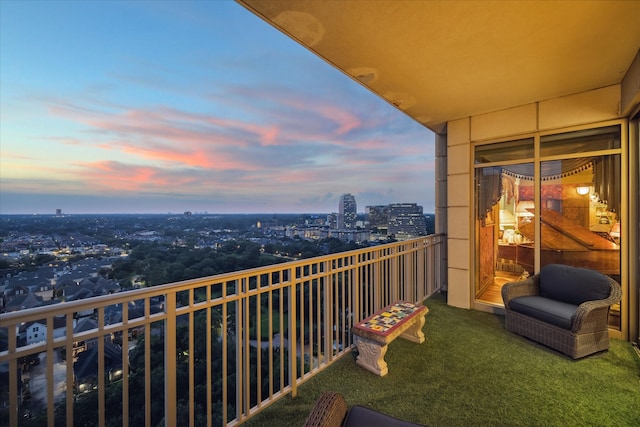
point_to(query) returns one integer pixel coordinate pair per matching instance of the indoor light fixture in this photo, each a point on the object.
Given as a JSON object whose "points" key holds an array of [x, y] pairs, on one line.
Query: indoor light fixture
{"points": [[582, 190]]}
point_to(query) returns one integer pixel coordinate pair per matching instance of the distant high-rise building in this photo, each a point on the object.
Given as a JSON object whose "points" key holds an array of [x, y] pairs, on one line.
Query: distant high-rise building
{"points": [[406, 219], [347, 213], [332, 220], [378, 216]]}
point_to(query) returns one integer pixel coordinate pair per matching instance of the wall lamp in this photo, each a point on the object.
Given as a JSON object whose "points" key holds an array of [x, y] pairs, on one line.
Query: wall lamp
{"points": [[582, 190]]}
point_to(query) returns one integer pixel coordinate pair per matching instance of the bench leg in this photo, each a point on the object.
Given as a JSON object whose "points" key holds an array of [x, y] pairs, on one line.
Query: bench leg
{"points": [[414, 333], [371, 355]]}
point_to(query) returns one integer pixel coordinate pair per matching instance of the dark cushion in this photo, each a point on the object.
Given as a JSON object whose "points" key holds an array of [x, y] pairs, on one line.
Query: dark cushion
{"points": [[550, 311], [360, 416], [573, 285]]}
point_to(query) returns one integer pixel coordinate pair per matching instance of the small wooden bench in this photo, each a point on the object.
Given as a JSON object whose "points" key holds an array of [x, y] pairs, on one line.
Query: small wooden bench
{"points": [[373, 334]]}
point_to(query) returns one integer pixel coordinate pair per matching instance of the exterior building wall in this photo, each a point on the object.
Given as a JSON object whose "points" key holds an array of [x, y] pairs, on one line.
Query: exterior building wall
{"points": [[579, 109], [459, 272]]}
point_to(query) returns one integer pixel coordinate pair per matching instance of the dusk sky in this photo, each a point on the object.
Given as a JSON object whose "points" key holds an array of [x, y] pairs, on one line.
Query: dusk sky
{"points": [[167, 106]]}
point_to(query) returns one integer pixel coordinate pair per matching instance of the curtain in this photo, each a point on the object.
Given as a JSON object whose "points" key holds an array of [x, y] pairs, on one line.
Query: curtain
{"points": [[489, 182], [606, 181]]}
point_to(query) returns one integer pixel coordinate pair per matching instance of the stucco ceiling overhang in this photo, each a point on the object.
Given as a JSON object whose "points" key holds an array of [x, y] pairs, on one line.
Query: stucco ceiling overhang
{"points": [[443, 60]]}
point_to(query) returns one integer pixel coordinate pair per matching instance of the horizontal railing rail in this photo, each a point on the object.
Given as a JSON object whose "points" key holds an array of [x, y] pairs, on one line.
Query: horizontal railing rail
{"points": [[209, 351]]}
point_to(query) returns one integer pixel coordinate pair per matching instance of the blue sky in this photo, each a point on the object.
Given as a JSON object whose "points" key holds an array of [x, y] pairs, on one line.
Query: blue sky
{"points": [[167, 106]]}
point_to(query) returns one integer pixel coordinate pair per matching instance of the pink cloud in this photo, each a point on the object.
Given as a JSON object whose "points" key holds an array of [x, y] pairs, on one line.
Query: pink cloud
{"points": [[119, 177], [176, 137], [345, 120]]}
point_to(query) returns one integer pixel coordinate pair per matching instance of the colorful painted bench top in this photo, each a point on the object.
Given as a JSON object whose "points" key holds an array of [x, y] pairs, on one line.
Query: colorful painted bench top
{"points": [[374, 333]]}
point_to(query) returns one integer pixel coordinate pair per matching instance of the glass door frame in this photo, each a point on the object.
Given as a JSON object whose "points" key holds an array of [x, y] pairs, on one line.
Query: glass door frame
{"points": [[624, 214]]}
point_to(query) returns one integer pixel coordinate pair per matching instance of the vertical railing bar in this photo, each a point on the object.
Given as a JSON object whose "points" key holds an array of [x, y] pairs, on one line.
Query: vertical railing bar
{"points": [[225, 361], [406, 276], [208, 358], [147, 366], [69, 368], [345, 302], [371, 285], [342, 318], [12, 339], [352, 296], [335, 303], [364, 307], [374, 284], [398, 263], [391, 263], [247, 348], [394, 285], [125, 362], [170, 365], [259, 342], [346, 309], [50, 363], [312, 324], [355, 306], [384, 283], [191, 359], [432, 269], [417, 272], [411, 286], [293, 338], [381, 281], [319, 293], [12, 346], [328, 323], [270, 326], [281, 326], [400, 275], [101, 368], [424, 272], [302, 328], [384, 266], [415, 265], [239, 355], [438, 265]]}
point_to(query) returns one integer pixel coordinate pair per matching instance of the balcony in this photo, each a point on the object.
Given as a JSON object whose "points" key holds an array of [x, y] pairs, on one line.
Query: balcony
{"points": [[471, 372], [210, 351]]}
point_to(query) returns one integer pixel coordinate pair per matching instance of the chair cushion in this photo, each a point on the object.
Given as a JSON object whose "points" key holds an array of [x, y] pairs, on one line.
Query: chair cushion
{"points": [[573, 285], [360, 416], [546, 310]]}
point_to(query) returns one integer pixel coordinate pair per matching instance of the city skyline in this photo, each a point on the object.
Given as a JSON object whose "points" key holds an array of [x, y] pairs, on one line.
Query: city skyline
{"points": [[156, 107]]}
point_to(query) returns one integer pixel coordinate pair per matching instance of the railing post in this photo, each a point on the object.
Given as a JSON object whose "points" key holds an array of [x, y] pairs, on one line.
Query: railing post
{"points": [[293, 359], [12, 335], [170, 396], [49, 372]]}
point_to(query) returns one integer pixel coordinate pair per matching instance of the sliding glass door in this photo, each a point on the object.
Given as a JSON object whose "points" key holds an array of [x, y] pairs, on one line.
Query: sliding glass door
{"points": [[548, 199]]}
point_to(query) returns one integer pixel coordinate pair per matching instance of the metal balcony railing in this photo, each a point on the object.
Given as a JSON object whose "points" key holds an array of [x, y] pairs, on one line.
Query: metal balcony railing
{"points": [[210, 351]]}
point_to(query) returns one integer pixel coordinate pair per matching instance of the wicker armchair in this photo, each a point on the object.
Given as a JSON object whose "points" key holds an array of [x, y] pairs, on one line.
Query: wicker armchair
{"points": [[557, 308], [330, 410]]}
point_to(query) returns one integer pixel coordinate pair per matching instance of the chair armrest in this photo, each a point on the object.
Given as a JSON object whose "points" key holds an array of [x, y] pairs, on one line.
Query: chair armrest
{"points": [[594, 314], [527, 287], [329, 411]]}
